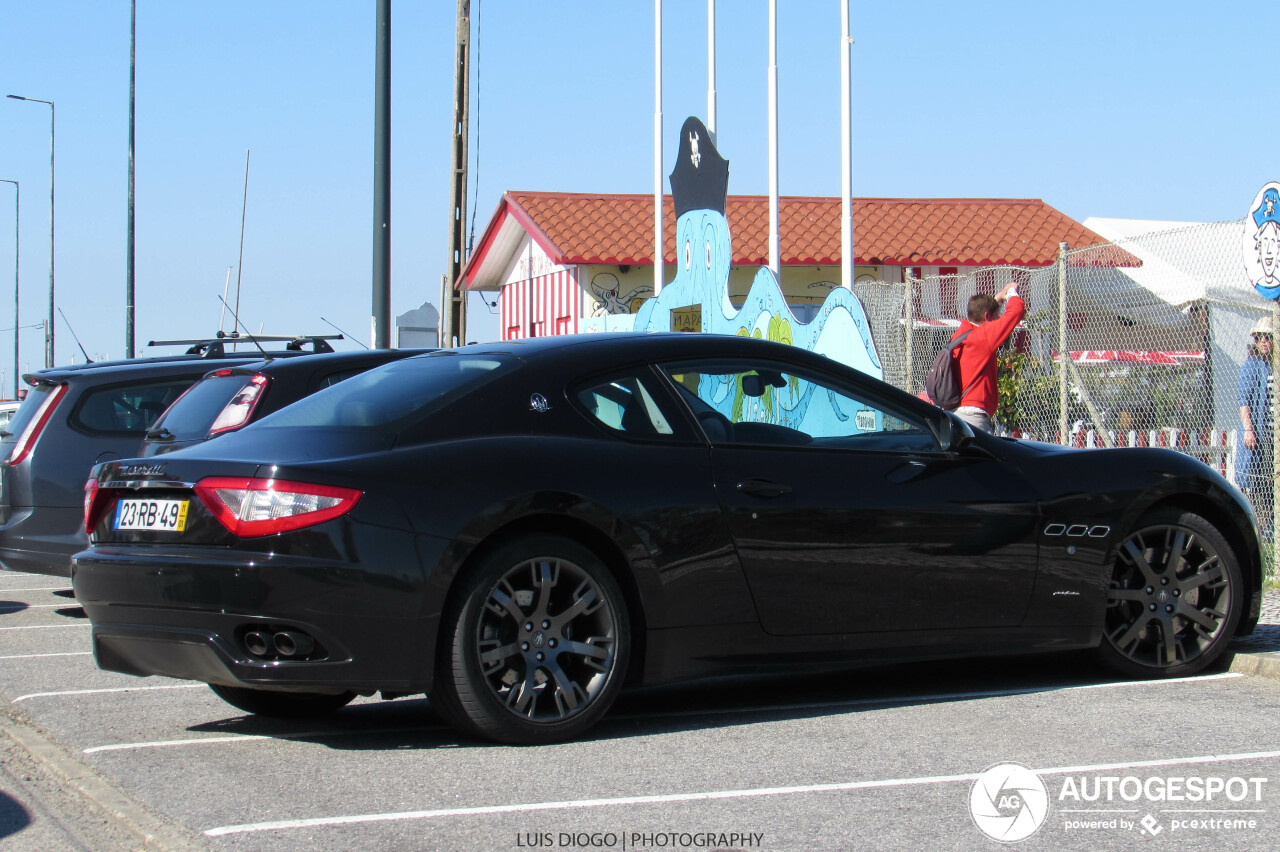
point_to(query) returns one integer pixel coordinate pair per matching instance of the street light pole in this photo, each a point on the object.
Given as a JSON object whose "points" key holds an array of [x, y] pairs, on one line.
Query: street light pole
{"points": [[48, 334], [17, 205]]}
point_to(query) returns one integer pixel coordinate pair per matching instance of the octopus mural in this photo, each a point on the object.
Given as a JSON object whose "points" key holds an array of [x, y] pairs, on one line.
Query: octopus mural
{"points": [[839, 330]]}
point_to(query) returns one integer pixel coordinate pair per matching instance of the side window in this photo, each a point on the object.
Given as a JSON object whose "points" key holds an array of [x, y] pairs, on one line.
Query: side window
{"points": [[129, 409], [624, 404], [772, 405]]}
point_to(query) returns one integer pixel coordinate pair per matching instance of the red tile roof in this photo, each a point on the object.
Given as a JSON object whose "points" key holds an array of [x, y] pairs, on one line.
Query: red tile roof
{"points": [[576, 228]]}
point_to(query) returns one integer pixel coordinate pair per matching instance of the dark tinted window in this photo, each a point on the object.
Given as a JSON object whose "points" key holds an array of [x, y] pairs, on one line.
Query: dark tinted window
{"points": [[192, 415], [394, 395], [128, 409]]}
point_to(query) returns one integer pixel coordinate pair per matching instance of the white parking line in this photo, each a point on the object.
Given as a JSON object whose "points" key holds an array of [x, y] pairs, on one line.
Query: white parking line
{"points": [[104, 691], [857, 702], [34, 656], [235, 738], [45, 626], [282, 825], [21, 607], [40, 589]]}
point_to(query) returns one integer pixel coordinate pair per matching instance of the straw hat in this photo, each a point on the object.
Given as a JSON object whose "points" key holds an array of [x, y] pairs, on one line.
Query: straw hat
{"points": [[1263, 326]]}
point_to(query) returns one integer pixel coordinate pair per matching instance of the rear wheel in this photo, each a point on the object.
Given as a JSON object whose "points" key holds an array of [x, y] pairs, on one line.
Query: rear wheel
{"points": [[535, 643], [284, 705], [1175, 598]]}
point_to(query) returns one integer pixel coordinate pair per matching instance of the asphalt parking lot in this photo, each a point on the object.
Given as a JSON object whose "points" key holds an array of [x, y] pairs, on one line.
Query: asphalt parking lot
{"points": [[884, 759]]}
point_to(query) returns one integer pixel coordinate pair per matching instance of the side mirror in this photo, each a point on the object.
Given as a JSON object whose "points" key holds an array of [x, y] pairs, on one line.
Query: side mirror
{"points": [[955, 433]]}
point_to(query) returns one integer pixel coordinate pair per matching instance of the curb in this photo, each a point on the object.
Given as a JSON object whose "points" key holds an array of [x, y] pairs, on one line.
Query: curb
{"points": [[98, 794], [1257, 665]]}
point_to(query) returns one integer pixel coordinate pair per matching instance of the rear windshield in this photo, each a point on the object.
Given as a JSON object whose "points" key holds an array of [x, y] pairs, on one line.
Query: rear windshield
{"points": [[395, 395], [27, 411], [192, 415]]}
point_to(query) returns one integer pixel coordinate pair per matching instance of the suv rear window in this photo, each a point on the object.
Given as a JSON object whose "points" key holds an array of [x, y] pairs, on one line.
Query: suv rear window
{"points": [[35, 398], [126, 409], [192, 415]]}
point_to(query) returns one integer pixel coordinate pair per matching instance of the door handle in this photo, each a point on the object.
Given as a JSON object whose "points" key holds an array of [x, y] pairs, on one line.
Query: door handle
{"points": [[763, 488]]}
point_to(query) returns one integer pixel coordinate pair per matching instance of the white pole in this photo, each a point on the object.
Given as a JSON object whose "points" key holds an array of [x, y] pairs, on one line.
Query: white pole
{"points": [[657, 147], [846, 154], [711, 68], [774, 250]]}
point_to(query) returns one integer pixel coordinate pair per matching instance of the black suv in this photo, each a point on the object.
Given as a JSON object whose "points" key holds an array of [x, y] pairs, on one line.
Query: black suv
{"points": [[76, 416], [231, 397]]}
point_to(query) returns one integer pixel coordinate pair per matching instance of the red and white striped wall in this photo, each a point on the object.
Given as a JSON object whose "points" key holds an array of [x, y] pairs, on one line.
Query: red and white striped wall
{"points": [[541, 307]]}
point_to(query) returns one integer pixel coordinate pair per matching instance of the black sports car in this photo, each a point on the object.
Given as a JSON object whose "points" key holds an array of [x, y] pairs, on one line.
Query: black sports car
{"points": [[519, 529]]}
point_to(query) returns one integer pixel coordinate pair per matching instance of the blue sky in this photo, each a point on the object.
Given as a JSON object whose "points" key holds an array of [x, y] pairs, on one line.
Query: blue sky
{"points": [[1133, 110]]}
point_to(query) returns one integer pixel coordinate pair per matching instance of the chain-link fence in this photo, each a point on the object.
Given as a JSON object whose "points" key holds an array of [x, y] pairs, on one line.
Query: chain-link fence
{"points": [[1146, 341]]}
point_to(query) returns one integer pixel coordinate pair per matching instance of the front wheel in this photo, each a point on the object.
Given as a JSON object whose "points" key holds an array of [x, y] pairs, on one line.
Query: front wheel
{"points": [[1175, 598], [535, 643], [283, 705]]}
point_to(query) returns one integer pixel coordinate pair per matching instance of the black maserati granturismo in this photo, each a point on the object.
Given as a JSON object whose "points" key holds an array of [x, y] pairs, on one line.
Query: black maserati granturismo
{"points": [[521, 529]]}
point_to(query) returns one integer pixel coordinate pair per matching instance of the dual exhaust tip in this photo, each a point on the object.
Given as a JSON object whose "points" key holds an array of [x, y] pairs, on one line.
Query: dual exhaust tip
{"points": [[284, 643]]}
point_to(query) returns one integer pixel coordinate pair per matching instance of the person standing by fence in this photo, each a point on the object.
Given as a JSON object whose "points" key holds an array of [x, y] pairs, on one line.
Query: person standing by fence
{"points": [[989, 330], [1254, 458]]}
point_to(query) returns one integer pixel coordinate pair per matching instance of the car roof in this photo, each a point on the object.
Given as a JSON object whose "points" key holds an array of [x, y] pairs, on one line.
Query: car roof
{"points": [[183, 364], [622, 346], [312, 363]]}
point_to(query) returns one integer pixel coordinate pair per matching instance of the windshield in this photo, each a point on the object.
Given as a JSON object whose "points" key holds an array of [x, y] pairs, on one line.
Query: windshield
{"points": [[392, 396]]}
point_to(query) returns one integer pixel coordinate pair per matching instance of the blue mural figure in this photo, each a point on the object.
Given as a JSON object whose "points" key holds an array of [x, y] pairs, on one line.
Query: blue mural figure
{"points": [[699, 190]]}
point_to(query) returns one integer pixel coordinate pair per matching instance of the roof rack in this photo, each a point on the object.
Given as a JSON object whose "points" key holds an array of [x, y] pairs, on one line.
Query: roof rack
{"points": [[216, 347]]}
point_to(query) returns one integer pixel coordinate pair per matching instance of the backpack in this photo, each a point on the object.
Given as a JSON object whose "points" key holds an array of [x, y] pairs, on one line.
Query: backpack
{"points": [[942, 382]]}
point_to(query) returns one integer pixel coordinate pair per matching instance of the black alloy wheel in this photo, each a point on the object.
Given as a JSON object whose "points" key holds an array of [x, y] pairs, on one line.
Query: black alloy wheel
{"points": [[1175, 598], [535, 643], [282, 705]]}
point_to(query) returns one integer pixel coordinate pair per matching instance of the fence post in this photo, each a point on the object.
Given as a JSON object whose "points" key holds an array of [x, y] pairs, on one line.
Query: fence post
{"points": [[908, 312], [1064, 354], [1275, 421]]}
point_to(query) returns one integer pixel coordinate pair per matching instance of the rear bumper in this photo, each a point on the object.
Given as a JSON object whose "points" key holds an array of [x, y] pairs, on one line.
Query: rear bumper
{"points": [[192, 612], [42, 540]]}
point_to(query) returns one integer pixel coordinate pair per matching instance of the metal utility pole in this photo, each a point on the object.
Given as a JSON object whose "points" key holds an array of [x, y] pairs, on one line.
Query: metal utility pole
{"points": [[453, 313], [658, 259], [128, 275], [17, 211], [53, 121], [382, 182]]}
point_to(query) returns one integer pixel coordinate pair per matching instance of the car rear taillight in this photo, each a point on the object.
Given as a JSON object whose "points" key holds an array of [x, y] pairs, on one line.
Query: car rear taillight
{"points": [[240, 409], [253, 506], [96, 501], [27, 439]]}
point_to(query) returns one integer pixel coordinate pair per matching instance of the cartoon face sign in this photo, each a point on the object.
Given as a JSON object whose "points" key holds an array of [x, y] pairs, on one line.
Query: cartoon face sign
{"points": [[1261, 242]]}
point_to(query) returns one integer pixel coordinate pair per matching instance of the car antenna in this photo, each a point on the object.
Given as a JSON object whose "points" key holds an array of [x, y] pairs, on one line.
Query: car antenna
{"points": [[247, 333], [87, 359], [352, 336]]}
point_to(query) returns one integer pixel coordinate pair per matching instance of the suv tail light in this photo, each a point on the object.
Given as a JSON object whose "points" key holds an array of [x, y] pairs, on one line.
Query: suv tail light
{"points": [[253, 506], [238, 411], [27, 439]]}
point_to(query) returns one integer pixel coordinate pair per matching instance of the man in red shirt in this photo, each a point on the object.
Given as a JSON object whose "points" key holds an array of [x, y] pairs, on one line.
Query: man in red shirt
{"points": [[989, 329]]}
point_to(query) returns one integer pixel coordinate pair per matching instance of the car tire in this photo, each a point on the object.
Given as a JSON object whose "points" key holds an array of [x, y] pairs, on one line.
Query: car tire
{"points": [[282, 705], [1175, 597], [534, 644]]}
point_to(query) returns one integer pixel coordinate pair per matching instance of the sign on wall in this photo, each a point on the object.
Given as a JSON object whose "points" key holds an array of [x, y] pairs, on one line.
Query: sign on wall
{"points": [[1261, 241]]}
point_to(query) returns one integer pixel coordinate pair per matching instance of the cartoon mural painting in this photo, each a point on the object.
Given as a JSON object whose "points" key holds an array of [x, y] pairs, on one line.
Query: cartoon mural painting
{"points": [[1261, 241], [839, 330], [607, 293]]}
